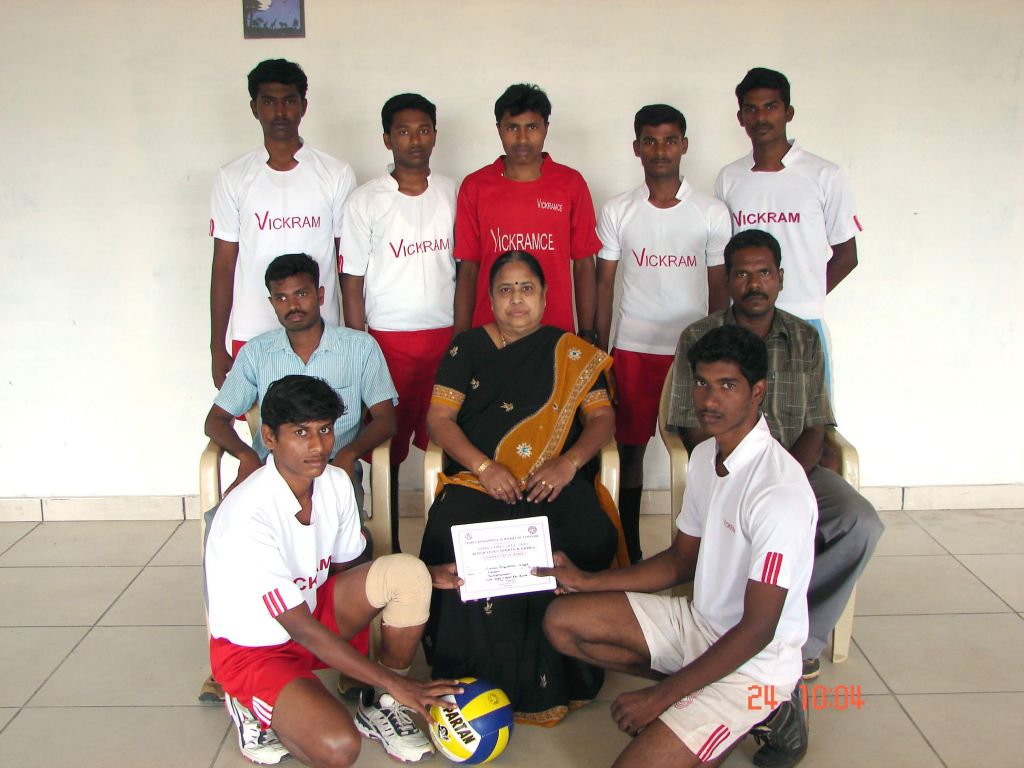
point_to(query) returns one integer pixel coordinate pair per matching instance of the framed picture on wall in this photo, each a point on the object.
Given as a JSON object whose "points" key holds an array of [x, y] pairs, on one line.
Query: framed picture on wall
{"points": [[273, 18]]}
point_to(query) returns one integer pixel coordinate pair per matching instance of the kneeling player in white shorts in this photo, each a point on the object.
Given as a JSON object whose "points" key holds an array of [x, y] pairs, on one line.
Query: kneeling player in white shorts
{"points": [[287, 589], [746, 539]]}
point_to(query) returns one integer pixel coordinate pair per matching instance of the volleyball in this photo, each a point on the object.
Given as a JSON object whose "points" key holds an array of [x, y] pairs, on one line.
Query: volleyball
{"points": [[477, 729]]}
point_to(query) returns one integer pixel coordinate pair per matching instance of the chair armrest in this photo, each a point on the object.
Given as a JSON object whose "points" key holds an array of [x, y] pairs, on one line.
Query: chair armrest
{"points": [[849, 459], [252, 419], [209, 486], [678, 460], [378, 517], [433, 459], [610, 470], [209, 477], [678, 456]]}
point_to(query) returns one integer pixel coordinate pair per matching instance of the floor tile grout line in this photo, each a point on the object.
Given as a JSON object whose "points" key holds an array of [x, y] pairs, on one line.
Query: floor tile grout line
{"points": [[60, 663], [97, 621], [13, 718], [919, 730], [989, 588], [925, 530], [166, 541], [220, 744], [14, 543], [898, 702], [136, 577]]}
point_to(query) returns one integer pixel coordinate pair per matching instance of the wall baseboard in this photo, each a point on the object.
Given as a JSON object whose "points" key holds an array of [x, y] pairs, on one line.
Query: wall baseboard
{"points": [[655, 502]]}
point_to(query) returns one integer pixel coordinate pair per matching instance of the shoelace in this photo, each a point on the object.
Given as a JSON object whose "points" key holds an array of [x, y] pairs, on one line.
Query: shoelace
{"points": [[399, 719], [268, 738]]}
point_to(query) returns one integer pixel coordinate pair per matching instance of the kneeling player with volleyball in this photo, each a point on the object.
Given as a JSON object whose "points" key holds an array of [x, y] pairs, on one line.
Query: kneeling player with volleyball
{"points": [[288, 587], [746, 539]]}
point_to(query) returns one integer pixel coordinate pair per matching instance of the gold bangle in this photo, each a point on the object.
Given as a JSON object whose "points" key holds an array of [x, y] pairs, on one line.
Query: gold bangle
{"points": [[483, 467], [572, 461]]}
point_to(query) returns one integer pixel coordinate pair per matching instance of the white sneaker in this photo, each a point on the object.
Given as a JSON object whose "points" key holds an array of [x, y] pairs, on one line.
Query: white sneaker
{"points": [[256, 745], [390, 723]]}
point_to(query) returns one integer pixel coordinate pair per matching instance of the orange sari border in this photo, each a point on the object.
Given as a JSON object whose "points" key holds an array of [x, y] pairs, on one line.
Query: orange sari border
{"points": [[541, 436], [446, 396], [596, 399]]}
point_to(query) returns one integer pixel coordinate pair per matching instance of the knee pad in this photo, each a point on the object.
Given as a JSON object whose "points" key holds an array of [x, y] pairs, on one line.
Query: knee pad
{"points": [[400, 584]]}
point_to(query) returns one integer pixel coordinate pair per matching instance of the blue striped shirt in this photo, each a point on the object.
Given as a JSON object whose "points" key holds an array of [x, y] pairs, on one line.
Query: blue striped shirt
{"points": [[350, 361]]}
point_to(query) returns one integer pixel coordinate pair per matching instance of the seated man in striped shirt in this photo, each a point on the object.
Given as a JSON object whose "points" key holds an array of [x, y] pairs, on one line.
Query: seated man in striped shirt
{"points": [[350, 361]]}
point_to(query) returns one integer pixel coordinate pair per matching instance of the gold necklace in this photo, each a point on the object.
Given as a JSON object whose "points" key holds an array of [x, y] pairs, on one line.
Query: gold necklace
{"points": [[504, 343]]}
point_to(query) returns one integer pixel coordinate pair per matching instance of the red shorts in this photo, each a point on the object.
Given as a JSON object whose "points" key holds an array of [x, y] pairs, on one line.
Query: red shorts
{"points": [[255, 676], [639, 377], [413, 358]]}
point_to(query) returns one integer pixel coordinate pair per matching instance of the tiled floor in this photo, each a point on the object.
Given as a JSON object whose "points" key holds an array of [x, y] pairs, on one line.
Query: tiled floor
{"points": [[102, 648]]}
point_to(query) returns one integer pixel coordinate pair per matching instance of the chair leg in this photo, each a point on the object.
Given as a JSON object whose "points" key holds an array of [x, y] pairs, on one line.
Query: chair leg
{"points": [[843, 631]]}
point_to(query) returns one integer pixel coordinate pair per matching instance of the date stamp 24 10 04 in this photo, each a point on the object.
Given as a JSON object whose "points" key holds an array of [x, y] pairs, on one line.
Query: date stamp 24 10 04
{"points": [[815, 697]]}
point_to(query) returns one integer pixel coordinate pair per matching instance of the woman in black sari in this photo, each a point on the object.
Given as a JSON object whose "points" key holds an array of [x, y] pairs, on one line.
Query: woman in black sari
{"points": [[518, 408]]}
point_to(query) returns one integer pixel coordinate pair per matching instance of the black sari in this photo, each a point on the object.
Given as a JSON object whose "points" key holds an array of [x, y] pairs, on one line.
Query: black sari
{"points": [[518, 405]]}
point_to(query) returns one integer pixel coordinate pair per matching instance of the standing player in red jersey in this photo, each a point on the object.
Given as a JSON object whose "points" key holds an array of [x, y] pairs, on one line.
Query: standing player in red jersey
{"points": [[525, 201]]}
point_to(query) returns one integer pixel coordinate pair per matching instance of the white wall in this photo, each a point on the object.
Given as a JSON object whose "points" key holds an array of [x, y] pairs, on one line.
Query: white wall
{"points": [[116, 115]]}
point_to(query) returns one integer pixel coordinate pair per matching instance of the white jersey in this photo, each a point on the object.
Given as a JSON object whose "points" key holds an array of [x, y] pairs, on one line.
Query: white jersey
{"points": [[261, 561], [756, 523], [807, 206], [270, 213], [402, 244], [664, 269]]}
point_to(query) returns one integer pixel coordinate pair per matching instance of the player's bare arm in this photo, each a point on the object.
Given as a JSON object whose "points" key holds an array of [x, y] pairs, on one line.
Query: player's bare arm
{"points": [[807, 448], [222, 285], [380, 427], [465, 295], [353, 308], [762, 608], [584, 283], [334, 651], [606, 269], [842, 263], [675, 565], [220, 427]]}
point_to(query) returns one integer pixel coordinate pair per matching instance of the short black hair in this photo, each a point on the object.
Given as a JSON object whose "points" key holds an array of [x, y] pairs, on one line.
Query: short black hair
{"points": [[732, 344], [277, 71], [508, 257], [760, 77], [658, 114], [406, 101], [300, 399], [752, 238], [522, 97], [291, 264]]}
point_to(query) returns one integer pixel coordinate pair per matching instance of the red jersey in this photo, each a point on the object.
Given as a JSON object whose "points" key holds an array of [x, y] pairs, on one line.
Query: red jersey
{"points": [[551, 217]]}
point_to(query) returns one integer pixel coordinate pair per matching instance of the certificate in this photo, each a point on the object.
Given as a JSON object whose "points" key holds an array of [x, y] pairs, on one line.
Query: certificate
{"points": [[494, 559]]}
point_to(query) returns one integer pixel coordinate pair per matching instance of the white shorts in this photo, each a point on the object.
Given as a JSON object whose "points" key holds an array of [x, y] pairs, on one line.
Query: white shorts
{"points": [[712, 719]]}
